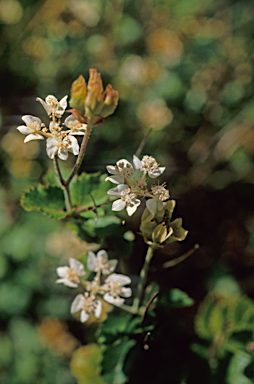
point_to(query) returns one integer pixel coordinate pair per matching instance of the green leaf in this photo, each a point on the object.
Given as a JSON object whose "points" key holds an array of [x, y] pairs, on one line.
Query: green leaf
{"points": [[47, 199], [115, 324], [85, 364], [89, 188], [180, 298], [235, 373], [113, 360]]}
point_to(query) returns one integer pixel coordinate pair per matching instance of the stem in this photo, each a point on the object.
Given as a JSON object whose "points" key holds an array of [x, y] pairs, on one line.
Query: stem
{"points": [[65, 188], [142, 144], [142, 279], [80, 156], [58, 171]]}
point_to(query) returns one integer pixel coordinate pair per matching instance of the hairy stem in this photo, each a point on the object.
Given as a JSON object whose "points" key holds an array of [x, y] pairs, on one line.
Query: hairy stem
{"points": [[80, 156], [65, 188], [142, 278]]}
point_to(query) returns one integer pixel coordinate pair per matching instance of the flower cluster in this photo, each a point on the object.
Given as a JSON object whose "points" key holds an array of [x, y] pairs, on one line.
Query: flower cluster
{"points": [[59, 141], [132, 184], [106, 284]]}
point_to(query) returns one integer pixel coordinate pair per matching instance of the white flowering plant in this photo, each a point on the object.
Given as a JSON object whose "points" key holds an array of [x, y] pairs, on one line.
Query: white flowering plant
{"points": [[91, 203]]}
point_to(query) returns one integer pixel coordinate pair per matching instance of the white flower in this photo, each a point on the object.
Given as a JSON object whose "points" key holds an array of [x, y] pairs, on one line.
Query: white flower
{"points": [[101, 262], [31, 129], [87, 305], [160, 191], [61, 146], [150, 165], [76, 128], [69, 276], [127, 199], [114, 287], [52, 106], [121, 171]]}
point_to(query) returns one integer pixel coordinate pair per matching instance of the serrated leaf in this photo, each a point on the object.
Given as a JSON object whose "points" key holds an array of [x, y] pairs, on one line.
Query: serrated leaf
{"points": [[235, 373], [114, 325], [113, 360], [85, 364], [47, 199], [88, 184]]}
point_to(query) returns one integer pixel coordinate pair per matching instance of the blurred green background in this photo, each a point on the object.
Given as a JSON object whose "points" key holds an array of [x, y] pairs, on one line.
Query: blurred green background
{"points": [[183, 66]]}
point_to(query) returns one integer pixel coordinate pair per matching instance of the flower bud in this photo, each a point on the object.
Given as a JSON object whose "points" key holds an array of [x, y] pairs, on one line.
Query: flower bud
{"points": [[94, 101], [111, 97], [78, 94], [160, 233]]}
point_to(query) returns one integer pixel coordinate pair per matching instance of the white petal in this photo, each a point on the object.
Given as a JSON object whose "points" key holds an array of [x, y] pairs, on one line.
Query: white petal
{"points": [[74, 147], [63, 153], [69, 121], [51, 147], [157, 172], [66, 282], [112, 169], [63, 105], [137, 163], [28, 119], [33, 136], [62, 271], [126, 292], [79, 132], [77, 265], [77, 303], [118, 205], [91, 260], [112, 265], [102, 253], [151, 205], [132, 208], [124, 163], [84, 316], [121, 279], [45, 105], [118, 179], [97, 309], [24, 129], [118, 301], [117, 190]]}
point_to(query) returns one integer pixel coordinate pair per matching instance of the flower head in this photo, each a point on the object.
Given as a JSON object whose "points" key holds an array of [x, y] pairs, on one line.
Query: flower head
{"points": [[121, 171], [115, 290], [69, 276], [86, 304], [32, 128], [127, 199], [52, 106], [101, 262], [150, 165], [76, 128], [61, 145]]}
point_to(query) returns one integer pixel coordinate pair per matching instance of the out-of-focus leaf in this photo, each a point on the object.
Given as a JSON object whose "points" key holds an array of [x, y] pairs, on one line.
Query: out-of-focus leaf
{"points": [[85, 364], [180, 298], [235, 373], [49, 200]]}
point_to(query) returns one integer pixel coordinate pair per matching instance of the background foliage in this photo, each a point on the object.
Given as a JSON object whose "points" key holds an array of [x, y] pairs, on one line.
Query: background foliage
{"points": [[185, 67]]}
